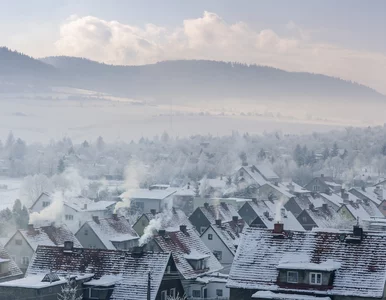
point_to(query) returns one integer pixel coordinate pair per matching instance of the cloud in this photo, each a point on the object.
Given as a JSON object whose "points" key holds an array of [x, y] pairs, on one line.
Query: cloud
{"points": [[211, 37]]}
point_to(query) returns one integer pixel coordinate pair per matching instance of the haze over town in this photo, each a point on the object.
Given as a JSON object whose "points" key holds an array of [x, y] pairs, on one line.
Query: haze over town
{"points": [[172, 150]]}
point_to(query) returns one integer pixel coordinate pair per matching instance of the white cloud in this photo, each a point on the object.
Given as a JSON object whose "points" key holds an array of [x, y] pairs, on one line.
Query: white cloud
{"points": [[210, 37]]}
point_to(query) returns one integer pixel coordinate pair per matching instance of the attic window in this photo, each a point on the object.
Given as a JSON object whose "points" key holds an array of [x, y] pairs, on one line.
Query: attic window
{"points": [[292, 277], [50, 277], [316, 278]]}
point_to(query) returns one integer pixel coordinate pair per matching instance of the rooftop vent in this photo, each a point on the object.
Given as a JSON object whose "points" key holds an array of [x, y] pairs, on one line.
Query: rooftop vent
{"points": [[162, 232]]}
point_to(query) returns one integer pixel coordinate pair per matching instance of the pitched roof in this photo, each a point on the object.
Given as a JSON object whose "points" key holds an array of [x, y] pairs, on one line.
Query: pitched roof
{"points": [[112, 229], [362, 270], [49, 235], [324, 217], [267, 171], [81, 203], [173, 220], [230, 233], [280, 188], [13, 268], [369, 193], [133, 269], [333, 198], [38, 198], [266, 211], [256, 176], [221, 211], [155, 194], [181, 245]]}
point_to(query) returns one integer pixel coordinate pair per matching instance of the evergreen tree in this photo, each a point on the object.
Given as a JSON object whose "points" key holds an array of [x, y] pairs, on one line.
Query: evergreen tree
{"points": [[335, 150], [20, 215], [10, 140], [61, 166], [298, 155], [326, 153], [243, 158], [261, 155], [100, 144], [384, 149], [85, 144]]}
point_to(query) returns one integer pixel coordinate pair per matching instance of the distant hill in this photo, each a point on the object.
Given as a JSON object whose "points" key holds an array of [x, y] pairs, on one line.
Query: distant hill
{"points": [[184, 80], [190, 79]]}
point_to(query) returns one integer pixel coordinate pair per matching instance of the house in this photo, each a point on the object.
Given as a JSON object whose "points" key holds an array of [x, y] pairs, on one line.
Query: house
{"points": [[223, 239], [23, 244], [335, 200], [108, 233], [236, 202], [76, 210], [262, 213], [115, 275], [215, 286], [330, 264], [192, 257], [175, 218], [274, 192], [320, 217], [144, 200], [184, 199], [359, 210], [375, 194], [297, 204], [8, 267], [256, 175], [205, 215], [323, 184], [43, 286]]}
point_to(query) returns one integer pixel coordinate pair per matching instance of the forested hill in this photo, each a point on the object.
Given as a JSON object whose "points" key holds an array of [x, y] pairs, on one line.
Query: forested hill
{"points": [[182, 80]]}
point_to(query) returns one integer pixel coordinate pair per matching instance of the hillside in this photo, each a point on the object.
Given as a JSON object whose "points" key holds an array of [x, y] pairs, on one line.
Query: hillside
{"points": [[189, 79], [184, 80]]}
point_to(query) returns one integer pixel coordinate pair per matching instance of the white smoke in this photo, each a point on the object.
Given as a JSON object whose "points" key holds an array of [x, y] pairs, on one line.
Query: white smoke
{"points": [[133, 174], [72, 186], [279, 205]]}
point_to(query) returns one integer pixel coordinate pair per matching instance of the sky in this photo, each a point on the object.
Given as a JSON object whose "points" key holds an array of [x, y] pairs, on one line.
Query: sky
{"points": [[345, 38]]}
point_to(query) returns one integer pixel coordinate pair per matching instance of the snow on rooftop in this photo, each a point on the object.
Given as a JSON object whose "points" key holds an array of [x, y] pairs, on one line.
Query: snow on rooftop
{"points": [[104, 281], [267, 171], [281, 296], [156, 194], [85, 204], [325, 266], [195, 255]]}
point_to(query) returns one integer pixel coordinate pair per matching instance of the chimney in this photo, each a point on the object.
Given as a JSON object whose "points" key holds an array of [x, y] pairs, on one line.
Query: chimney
{"points": [[206, 205], [68, 246], [224, 205], [324, 206], [254, 200], [183, 228], [218, 222], [162, 232], [235, 219], [278, 227], [115, 217], [31, 229], [95, 219], [153, 212], [85, 206], [311, 206], [358, 232], [188, 186], [137, 251]]}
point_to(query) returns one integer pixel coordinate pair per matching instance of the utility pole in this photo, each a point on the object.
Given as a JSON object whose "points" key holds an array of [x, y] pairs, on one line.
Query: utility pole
{"points": [[148, 286]]}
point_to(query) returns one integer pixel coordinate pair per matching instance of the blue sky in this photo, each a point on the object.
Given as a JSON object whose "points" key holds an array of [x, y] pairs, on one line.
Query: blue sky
{"points": [[34, 27]]}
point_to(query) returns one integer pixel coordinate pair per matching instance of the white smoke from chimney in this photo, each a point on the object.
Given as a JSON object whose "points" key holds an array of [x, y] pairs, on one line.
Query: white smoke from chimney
{"points": [[133, 174], [279, 205], [72, 186]]}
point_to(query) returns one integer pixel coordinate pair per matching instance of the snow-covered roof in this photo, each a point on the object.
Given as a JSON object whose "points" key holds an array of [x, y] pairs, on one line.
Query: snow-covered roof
{"points": [[104, 281], [324, 266], [34, 281], [357, 210], [266, 211], [282, 296], [49, 235], [230, 233], [267, 171], [155, 194], [256, 176], [280, 188], [333, 198], [297, 189], [115, 229], [172, 219], [185, 244], [132, 268], [324, 217], [362, 270], [214, 277], [13, 269], [85, 204], [369, 193], [222, 211]]}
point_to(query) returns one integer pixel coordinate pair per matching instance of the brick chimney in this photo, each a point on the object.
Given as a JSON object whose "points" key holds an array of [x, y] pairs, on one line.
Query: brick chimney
{"points": [[68, 246], [162, 232], [278, 227], [153, 212], [235, 219], [218, 222], [137, 251], [95, 219], [31, 229]]}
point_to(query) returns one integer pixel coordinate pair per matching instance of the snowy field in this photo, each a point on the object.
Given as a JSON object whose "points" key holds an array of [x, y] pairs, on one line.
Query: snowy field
{"points": [[9, 191]]}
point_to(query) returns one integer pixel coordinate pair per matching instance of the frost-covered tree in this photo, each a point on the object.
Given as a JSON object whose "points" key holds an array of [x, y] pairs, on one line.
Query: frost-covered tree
{"points": [[69, 292]]}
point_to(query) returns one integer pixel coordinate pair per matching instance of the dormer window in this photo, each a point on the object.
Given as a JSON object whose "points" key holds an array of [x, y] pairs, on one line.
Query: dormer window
{"points": [[316, 278], [197, 260], [292, 277]]}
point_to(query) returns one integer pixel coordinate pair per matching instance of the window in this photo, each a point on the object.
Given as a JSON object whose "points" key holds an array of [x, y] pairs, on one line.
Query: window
{"points": [[173, 292], [304, 218], [46, 203], [25, 260], [198, 264], [164, 295], [18, 242], [315, 188], [292, 277], [86, 232], [69, 217], [218, 254], [210, 236], [196, 294], [219, 293], [316, 278]]}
